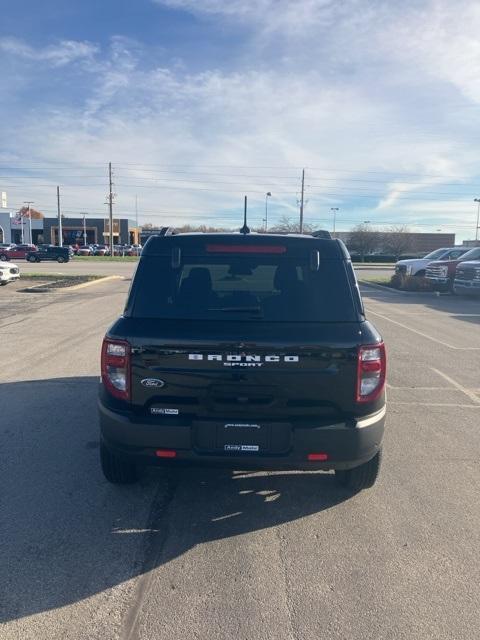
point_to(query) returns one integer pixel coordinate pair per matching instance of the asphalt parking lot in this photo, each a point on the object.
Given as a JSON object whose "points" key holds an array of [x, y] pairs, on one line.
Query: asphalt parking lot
{"points": [[216, 554]]}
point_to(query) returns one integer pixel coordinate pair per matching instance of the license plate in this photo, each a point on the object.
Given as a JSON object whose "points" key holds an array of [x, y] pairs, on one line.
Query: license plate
{"points": [[236, 437], [243, 437]]}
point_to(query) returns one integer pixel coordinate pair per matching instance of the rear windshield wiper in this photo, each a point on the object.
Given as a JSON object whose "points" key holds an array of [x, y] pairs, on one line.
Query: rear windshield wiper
{"points": [[238, 309]]}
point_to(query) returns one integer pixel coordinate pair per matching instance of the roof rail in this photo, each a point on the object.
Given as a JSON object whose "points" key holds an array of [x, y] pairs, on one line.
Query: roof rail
{"points": [[167, 231], [322, 233]]}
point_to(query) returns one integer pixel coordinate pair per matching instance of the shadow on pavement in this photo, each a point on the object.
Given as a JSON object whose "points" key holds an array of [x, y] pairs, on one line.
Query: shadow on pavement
{"points": [[67, 534], [465, 308]]}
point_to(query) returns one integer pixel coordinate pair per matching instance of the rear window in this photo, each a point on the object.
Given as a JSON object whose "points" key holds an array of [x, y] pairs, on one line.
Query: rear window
{"points": [[266, 287]]}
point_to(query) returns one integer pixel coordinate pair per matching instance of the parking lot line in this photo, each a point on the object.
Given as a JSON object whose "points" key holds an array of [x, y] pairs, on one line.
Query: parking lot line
{"points": [[420, 333], [458, 386], [392, 386], [435, 404]]}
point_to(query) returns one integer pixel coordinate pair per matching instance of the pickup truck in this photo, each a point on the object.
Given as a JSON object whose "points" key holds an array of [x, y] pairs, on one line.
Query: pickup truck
{"points": [[246, 351], [417, 266], [467, 278], [441, 273]]}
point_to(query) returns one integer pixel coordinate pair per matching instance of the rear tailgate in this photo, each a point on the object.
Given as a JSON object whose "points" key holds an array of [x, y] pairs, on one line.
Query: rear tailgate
{"points": [[310, 376]]}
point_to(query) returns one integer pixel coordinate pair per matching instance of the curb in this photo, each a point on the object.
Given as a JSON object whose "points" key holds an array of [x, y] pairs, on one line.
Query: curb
{"points": [[382, 287], [75, 287]]}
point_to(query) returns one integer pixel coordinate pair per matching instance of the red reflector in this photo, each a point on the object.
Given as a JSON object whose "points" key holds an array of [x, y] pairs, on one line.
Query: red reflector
{"points": [[371, 365], [165, 453], [245, 248], [317, 456]]}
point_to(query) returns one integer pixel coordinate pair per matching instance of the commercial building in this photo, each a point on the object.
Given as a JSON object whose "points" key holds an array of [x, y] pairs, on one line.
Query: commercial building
{"points": [[5, 227], [16, 229], [97, 231]]}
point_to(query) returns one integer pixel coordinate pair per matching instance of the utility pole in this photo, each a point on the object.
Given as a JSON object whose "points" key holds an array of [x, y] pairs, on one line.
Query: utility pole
{"points": [[478, 218], [60, 232], [334, 209], [84, 231], [110, 206], [301, 200], [136, 218], [267, 196], [28, 203]]}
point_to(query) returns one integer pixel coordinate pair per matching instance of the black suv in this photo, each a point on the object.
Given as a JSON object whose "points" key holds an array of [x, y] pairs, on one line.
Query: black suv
{"points": [[244, 350], [49, 252]]}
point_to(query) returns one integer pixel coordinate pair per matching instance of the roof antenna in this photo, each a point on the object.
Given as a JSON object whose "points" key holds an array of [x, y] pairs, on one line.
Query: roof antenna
{"points": [[245, 229]]}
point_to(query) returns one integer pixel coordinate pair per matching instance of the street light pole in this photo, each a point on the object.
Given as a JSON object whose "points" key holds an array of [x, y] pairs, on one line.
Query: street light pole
{"points": [[60, 231], [267, 196], [478, 218], [84, 231], [334, 209], [28, 203]]}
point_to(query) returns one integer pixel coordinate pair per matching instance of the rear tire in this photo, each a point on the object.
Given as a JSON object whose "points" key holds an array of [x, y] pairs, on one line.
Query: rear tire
{"points": [[3, 284], [60, 259], [115, 469], [3, 257], [362, 477]]}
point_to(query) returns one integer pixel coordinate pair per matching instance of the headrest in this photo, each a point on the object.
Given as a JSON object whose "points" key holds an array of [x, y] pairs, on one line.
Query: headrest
{"points": [[285, 277], [200, 277]]}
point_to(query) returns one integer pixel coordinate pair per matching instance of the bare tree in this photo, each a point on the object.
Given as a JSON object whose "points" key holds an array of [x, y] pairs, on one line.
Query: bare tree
{"points": [[363, 240], [287, 225], [398, 240]]}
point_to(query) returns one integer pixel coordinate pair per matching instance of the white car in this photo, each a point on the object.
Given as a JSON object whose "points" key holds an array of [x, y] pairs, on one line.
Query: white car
{"points": [[8, 273], [416, 266]]}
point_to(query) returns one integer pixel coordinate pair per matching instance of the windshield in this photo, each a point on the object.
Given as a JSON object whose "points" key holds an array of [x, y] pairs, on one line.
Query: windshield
{"points": [[473, 254], [435, 254], [272, 288]]}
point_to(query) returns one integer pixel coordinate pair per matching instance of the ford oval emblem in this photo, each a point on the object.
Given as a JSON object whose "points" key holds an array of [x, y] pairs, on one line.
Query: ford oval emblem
{"points": [[153, 382]]}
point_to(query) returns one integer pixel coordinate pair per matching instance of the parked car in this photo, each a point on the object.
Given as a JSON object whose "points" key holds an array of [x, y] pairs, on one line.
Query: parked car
{"points": [[8, 273], [16, 251], [467, 278], [121, 250], [417, 266], [441, 273], [85, 250], [6, 245], [49, 252], [100, 250], [243, 349]]}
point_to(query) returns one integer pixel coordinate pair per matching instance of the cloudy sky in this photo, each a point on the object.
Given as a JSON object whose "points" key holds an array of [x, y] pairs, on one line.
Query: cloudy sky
{"points": [[198, 102]]}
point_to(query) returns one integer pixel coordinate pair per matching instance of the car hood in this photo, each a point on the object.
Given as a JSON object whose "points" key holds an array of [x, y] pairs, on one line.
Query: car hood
{"points": [[470, 263], [412, 261], [443, 263]]}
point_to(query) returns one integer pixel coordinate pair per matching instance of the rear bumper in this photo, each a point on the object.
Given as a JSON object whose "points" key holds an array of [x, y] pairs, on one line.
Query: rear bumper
{"points": [[347, 444]]}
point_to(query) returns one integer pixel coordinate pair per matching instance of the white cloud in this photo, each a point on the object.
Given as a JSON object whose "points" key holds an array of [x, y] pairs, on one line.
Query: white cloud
{"points": [[58, 55]]}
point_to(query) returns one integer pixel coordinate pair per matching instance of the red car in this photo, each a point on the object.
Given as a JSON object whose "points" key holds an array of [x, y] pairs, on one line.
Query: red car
{"points": [[441, 273], [17, 251]]}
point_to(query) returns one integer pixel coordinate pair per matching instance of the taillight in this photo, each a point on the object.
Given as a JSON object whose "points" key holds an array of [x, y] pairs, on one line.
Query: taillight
{"points": [[371, 370], [116, 367]]}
